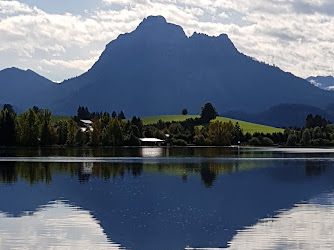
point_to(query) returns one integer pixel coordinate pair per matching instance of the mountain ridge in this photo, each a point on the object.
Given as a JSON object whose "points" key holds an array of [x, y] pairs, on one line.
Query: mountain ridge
{"points": [[24, 88], [198, 67], [156, 69]]}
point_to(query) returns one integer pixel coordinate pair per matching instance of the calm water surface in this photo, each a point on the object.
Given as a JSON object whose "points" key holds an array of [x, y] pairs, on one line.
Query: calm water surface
{"points": [[159, 198]]}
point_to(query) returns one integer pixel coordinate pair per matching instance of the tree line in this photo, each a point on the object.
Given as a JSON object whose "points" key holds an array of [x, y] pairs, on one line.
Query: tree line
{"points": [[35, 127]]}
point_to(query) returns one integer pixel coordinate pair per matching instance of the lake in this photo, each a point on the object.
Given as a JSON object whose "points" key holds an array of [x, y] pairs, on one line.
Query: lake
{"points": [[166, 198]]}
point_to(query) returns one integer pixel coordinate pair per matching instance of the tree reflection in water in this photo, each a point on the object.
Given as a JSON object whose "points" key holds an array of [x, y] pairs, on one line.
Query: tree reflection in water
{"points": [[314, 168], [11, 172], [32, 173]]}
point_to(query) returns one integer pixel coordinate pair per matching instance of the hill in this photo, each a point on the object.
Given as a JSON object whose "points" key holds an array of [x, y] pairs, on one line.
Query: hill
{"points": [[245, 126], [158, 69], [25, 88]]}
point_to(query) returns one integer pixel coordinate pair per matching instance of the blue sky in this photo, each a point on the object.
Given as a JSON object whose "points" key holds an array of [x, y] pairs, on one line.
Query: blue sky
{"points": [[63, 6], [62, 39]]}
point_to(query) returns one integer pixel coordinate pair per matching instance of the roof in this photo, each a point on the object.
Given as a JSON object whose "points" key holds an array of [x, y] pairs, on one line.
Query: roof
{"points": [[83, 129], [150, 140], [86, 121]]}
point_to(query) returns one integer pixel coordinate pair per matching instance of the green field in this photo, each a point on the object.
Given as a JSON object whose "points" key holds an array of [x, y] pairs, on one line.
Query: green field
{"points": [[59, 118], [245, 126], [169, 118]]}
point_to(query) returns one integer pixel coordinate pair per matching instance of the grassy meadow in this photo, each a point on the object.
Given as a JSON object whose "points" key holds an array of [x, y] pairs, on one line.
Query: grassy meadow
{"points": [[245, 126], [60, 118]]}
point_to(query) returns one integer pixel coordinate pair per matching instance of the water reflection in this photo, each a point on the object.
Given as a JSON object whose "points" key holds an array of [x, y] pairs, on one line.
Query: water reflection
{"points": [[305, 226], [11, 172], [313, 168], [152, 152], [54, 226], [208, 152], [199, 202]]}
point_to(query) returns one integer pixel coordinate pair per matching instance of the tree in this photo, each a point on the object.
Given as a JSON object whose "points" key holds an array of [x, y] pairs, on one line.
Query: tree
{"points": [[114, 114], [121, 116], [292, 140], [133, 140], [184, 111], [36, 109], [317, 133], [47, 132], [175, 128], [220, 134], [161, 125], [254, 141], [199, 138], [72, 132], [266, 141], [83, 113], [237, 133], [208, 113], [316, 121], [7, 125], [105, 118], [95, 135], [112, 134], [28, 129], [62, 132], [306, 138], [137, 122], [9, 108]]}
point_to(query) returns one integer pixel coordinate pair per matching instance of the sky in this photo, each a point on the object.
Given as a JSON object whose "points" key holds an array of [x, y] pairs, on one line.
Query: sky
{"points": [[62, 39]]}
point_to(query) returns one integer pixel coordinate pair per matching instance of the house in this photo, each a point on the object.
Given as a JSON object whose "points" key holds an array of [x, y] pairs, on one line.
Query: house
{"points": [[151, 142], [86, 125]]}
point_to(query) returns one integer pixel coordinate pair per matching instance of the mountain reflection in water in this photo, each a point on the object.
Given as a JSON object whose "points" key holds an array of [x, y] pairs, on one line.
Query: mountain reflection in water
{"points": [[54, 226], [305, 226], [185, 197]]}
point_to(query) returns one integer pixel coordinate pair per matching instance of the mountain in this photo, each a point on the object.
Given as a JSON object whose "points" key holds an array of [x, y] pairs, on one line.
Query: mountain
{"points": [[323, 82], [284, 115], [25, 88], [157, 69]]}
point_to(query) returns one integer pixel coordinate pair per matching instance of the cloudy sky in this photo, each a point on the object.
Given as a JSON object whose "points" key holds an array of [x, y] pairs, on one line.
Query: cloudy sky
{"points": [[62, 39]]}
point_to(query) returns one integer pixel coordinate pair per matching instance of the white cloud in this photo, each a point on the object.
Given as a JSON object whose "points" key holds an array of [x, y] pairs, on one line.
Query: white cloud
{"points": [[223, 15], [11, 7], [294, 35], [72, 64]]}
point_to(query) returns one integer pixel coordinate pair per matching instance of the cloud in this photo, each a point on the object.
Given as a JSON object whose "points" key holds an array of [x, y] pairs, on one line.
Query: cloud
{"points": [[297, 36], [80, 64], [11, 7]]}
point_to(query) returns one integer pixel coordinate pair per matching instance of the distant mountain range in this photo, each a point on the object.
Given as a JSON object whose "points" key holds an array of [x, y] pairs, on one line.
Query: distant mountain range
{"points": [[157, 70], [323, 82], [24, 88]]}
